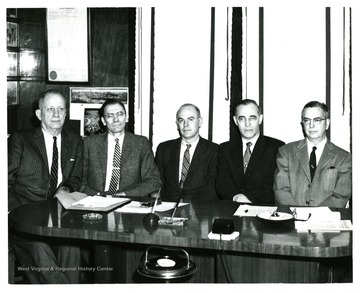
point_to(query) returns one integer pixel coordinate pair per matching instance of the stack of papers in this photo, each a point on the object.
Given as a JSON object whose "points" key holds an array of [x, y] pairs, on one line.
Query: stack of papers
{"points": [[324, 226], [321, 219]]}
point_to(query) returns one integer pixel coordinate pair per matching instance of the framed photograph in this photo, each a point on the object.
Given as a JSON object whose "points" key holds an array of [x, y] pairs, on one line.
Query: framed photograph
{"points": [[85, 102], [11, 12], [12, 93], [12, 34], [91, 122], [12, 69], [67, 32]]}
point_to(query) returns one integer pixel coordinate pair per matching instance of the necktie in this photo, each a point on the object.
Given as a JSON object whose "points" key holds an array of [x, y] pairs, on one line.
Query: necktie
{"points": [[115, 176], [54, 170], [185, 165], [312, 163], [247, 155]]}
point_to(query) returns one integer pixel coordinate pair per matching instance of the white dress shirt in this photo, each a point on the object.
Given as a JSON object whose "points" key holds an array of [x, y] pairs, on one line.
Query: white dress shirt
{"points": [[319, 149]]}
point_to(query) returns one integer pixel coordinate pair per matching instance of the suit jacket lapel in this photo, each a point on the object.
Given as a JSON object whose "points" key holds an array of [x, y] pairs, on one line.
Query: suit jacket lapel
{"points": [[257, 151], [65, 148], [197, 156], [174, 161], [326, 156], [103, 154], [40, 143], [238, 161], [303, 157], [126, 148]]}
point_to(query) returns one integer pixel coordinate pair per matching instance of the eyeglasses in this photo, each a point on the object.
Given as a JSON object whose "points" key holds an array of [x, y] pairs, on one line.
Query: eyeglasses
{"points": [[113, 115], [316, 121]]}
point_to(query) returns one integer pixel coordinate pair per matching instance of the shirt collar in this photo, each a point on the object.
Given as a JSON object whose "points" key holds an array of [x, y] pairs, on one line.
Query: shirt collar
{"points": [[319, 147], [112, 138], [253, 141]]}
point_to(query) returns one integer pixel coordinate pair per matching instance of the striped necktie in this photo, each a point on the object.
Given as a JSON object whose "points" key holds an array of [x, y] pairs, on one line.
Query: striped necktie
{"points": [[185, 165], [115, 176], [54, 171]]}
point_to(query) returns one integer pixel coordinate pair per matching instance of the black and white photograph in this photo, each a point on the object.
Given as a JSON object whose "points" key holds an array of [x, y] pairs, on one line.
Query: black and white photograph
{"points": [[208, 143]]}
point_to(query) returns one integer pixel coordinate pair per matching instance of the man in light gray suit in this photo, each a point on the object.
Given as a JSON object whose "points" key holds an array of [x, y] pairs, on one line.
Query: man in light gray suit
{"points": [[313, 171], [138, 174]]}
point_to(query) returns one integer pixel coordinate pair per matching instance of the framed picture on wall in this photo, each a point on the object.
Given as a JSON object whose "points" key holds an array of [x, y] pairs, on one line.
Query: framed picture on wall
{"points": [[12, 34], [85, 102], [91, 123], [12, 69], [12, 93], [67, 33]]}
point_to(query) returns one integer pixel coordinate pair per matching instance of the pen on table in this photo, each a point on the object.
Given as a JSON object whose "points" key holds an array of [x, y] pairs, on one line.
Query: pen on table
{"points": [[175, 208], [156, 200]]}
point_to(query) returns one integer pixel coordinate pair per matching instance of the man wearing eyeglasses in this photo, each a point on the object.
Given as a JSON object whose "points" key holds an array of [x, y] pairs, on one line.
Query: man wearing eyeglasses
{"points": [[313, 171], [118, 162]]}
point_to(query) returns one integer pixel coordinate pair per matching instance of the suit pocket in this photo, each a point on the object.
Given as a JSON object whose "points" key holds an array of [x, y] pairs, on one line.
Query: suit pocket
{"points": [[329, 179]]}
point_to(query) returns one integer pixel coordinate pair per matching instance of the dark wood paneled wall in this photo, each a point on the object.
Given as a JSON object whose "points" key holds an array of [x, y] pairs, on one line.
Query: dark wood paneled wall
{"points": [[112, 55]]}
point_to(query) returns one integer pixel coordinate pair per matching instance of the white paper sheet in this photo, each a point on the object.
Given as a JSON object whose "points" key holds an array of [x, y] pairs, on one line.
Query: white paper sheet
{"points": [[135, 207], [99, 201], [343, 225], [246, 210]]}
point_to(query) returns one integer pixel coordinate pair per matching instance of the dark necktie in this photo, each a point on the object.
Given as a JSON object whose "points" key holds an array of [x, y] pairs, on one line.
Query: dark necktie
{"points": [[54, 170], [185, 165], [312, 163], [247, 155], [115, 176]]}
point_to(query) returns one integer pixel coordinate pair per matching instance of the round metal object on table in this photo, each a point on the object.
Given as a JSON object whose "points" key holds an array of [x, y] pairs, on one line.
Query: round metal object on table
{"points": [[170, 265]]}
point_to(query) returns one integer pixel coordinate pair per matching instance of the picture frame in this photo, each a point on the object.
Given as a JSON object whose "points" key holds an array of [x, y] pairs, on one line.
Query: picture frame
{"points": [[68, 45], [12, 93], [13, 60], [11, 12], [91, 123], [12, 34], [84, 100]]}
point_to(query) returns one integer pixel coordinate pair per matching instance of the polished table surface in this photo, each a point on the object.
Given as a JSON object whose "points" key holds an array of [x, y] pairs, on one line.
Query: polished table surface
{"points": [[48, 218]]}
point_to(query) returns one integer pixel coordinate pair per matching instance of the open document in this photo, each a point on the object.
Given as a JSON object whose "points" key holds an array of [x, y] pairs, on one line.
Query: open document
{"points": [[80, 201]]}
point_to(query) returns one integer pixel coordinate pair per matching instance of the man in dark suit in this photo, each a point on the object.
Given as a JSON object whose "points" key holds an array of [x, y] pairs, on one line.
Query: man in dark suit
{"points": [[36, 171], [199, 182], [138, 175], [246, 167]]}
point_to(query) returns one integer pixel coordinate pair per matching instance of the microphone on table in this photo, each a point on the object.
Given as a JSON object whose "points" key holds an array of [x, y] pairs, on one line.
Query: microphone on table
{"points": [[151, 220]]}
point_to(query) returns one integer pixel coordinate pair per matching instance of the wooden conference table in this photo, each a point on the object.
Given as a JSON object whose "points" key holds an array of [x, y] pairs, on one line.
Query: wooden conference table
{"points": [[261, 254]]}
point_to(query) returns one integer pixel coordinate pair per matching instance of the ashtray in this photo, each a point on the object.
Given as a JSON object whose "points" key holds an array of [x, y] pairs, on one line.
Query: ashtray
{"points": [[92, 217]]}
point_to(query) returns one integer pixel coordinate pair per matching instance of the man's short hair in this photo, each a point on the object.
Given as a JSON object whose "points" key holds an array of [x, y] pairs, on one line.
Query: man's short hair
{"points": [[316, 104], [189, 105], [43, 95], [110, 102], [246, 102]]}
